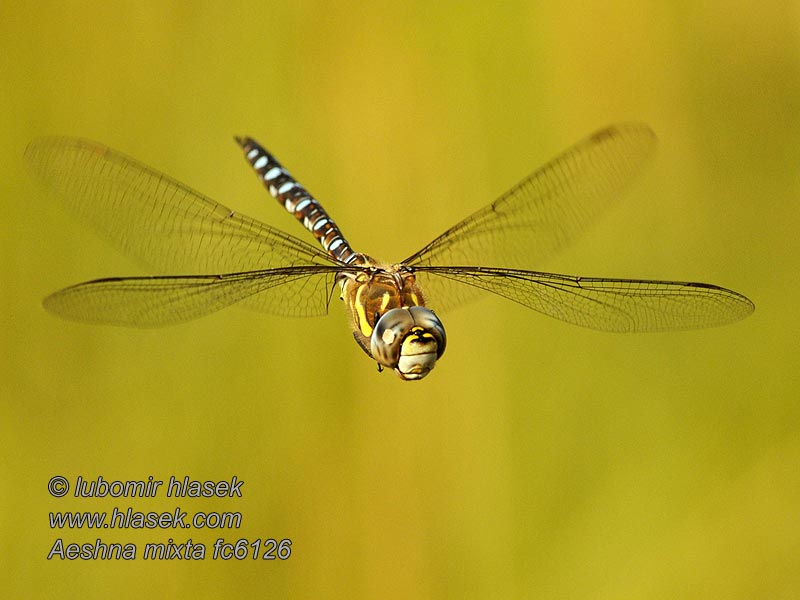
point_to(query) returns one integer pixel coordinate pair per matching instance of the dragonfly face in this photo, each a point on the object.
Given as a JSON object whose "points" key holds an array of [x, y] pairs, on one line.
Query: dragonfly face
{"points": [[390, 321], [217, 257], [410, 340]]}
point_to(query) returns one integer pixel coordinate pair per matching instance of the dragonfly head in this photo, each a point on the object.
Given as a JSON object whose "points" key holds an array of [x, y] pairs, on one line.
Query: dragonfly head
{"points": [[409, 340]]}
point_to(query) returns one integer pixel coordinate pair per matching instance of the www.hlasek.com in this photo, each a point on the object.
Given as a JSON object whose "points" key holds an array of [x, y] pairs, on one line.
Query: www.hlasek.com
{"points": [[128, 518]]}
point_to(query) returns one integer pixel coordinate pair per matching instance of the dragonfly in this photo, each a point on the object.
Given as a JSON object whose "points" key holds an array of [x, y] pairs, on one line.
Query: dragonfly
{"points": [[223, 257]]}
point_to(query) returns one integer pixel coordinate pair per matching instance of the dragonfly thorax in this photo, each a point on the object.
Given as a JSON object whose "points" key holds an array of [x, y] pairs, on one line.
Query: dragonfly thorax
{"points": [[390, 321]]}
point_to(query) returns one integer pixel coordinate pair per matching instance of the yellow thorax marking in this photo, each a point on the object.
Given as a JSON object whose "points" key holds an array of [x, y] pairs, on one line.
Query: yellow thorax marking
{"points": [[385, 301], [361, 315]]}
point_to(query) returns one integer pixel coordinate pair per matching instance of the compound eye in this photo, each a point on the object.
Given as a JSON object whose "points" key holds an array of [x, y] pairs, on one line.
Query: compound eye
{"points": [[408, 340]]}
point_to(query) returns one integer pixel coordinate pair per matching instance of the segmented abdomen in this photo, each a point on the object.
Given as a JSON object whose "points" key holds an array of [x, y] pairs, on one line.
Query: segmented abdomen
{"points": [[296, 199]]}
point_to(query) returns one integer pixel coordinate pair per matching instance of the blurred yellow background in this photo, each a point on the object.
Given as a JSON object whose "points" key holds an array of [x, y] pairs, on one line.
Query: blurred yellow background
{"points": [[539, 459]]}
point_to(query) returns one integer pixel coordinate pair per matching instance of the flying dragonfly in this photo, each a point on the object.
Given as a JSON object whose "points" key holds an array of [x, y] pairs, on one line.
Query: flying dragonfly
{"points": [[224, 257]]}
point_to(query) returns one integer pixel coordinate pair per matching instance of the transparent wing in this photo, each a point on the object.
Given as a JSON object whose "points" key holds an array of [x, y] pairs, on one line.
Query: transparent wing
{"points": [[543, 212], [616, 305], [170, 226], [167, 300], [156, 218]]}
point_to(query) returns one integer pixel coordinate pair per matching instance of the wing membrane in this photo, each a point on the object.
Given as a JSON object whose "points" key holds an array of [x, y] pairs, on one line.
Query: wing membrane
{"points": [[167, 300], [543, 212], [158, 219], [615, 305]]}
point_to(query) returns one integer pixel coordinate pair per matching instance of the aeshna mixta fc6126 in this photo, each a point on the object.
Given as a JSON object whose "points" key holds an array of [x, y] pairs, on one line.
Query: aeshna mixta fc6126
{"points": [[228, 258]]}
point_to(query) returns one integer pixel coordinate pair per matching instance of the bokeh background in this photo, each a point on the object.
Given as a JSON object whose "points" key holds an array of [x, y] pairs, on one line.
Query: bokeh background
{"points": [[539, 459]]}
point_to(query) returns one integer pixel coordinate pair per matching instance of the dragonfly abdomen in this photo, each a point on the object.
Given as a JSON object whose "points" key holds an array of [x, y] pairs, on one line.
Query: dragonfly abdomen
{"points": [[296, 200]]}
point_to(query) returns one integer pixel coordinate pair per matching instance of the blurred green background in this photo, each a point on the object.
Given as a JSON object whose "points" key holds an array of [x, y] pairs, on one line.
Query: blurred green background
{"points": [[539, 459]]}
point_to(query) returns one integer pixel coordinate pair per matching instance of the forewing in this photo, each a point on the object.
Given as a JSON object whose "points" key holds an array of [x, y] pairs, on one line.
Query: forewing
{"points": [[167, 300], [616, 305]]}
